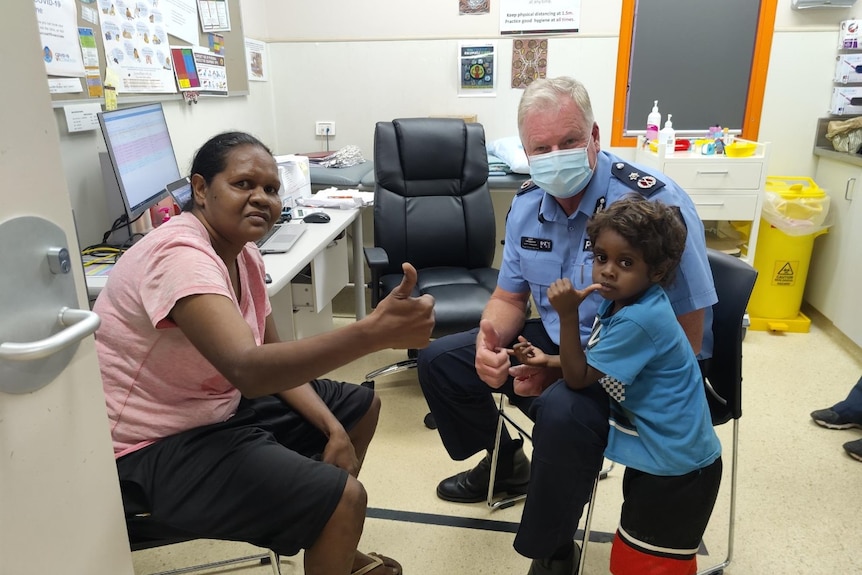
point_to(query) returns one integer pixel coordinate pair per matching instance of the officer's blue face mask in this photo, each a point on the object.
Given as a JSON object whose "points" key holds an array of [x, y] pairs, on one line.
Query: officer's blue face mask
{"points": [[563, 173]]}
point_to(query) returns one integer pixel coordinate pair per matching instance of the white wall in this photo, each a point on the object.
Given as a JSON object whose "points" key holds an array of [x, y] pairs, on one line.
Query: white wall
{"points": [[359, 83], [361, 62], [326, 67]]}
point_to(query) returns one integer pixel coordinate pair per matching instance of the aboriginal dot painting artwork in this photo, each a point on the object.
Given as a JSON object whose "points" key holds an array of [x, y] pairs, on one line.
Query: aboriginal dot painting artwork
{"points": [[529, 61]]}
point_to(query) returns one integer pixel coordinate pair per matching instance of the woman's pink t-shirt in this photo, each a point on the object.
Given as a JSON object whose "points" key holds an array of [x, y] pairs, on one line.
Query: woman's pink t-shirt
{"points": [[156, 382]]}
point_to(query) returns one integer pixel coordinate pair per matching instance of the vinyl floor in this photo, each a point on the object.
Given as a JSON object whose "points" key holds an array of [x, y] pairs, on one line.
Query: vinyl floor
{"points": [[798, 493]]}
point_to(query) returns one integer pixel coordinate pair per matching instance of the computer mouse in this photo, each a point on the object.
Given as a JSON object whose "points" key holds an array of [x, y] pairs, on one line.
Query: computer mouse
{"points": [[316, 218]]}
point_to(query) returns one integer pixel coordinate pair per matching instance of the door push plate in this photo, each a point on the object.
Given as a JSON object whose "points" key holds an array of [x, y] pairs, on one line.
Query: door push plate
{"points": [[40, 325]]}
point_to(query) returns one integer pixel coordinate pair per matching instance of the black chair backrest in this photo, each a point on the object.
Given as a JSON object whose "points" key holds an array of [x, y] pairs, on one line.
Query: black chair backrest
{"points": [[432, 206], [734, 281]]}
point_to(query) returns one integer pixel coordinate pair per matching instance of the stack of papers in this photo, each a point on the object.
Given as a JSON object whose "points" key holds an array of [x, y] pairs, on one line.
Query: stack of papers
{"points": [[338, 198]]}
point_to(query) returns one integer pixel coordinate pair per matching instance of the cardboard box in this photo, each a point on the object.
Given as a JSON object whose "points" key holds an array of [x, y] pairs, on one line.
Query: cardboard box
{"points": [[848, 69], [846, 101], [470, 119], [850, 37]]}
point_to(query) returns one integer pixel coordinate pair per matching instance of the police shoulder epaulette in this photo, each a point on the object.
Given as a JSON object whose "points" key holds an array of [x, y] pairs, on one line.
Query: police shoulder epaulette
{"points": [[637, 180], [527, 186]]}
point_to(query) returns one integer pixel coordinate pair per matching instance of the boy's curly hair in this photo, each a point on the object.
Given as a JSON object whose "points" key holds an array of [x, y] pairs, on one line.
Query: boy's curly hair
{"points": [[656, 229]]}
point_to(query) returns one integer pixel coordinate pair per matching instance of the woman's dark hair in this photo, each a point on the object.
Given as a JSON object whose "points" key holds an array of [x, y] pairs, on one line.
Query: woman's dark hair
{"points": [[211, 158], [656, 229]]}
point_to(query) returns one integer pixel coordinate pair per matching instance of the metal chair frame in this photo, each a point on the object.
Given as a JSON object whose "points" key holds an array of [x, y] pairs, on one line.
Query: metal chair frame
{"points": [[270, 557], [506, 502], [261, 558]]}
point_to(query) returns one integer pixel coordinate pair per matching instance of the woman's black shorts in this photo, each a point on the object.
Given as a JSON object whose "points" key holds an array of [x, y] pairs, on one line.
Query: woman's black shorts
{"points": [[253, 478]]}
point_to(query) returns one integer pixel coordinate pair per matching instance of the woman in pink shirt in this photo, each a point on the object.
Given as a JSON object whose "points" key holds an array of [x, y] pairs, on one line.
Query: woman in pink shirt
{"points": [[220, 429]]}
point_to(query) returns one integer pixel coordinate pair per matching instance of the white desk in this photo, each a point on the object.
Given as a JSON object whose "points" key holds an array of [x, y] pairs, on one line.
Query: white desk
{"points": [[329, 274]]}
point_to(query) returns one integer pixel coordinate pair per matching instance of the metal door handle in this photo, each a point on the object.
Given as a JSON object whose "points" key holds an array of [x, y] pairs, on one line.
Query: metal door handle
{"points": [[712, 172], [849, 188], [79, 324]]}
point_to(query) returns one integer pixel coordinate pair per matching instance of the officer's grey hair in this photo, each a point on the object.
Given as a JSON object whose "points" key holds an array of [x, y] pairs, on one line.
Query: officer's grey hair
{"points": [[545, 93]]}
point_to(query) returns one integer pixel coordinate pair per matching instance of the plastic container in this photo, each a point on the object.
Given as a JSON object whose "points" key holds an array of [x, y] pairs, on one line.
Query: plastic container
{"points": [[653, 122], [738, 149], [667, 136], [794, 214]]}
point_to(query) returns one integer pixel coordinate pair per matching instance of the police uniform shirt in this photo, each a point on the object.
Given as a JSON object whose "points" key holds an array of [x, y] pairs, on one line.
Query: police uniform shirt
{"points": [[543, 245]]}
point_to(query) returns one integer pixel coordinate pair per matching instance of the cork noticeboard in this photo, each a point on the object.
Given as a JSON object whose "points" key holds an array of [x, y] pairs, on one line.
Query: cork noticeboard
{"points": [[234, 55]]}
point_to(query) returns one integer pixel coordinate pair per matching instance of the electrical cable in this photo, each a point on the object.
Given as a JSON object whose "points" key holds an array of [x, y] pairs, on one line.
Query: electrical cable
{"points": [[120, 223]]}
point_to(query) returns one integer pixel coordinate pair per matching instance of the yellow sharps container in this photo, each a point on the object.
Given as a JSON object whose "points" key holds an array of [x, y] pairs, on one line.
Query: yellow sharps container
{"points": [[794, 211]]}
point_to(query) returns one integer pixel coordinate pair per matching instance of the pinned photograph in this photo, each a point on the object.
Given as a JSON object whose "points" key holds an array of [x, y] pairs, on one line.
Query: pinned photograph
{"points": [[255, 55]]}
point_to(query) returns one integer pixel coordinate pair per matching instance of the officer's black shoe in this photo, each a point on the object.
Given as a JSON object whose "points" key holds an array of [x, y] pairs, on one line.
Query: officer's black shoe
{"points": [[513, 475]]}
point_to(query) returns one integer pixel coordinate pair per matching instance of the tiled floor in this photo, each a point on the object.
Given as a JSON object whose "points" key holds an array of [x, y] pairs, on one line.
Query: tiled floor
{"points": [[798, 508]]}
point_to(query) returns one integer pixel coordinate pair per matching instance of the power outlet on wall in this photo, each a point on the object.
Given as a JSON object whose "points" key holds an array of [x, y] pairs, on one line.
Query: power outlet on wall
{"points": [[324, 128]]}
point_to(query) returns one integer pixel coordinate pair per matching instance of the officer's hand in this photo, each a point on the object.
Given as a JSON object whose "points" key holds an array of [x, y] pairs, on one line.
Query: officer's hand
{"points": [[492, 360]]}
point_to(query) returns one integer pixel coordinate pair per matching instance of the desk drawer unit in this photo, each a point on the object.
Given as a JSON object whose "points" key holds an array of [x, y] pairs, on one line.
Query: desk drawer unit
{"points": [[329, 274], [722, 188], [725, 175], [725, 206]]}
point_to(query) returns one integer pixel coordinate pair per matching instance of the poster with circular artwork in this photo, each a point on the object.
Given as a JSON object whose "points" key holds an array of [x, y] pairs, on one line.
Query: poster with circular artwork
{"points": [[477, 69]]}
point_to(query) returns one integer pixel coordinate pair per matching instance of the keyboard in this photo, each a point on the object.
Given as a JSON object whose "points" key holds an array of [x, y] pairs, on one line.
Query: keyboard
{"points": [[268, 235]]}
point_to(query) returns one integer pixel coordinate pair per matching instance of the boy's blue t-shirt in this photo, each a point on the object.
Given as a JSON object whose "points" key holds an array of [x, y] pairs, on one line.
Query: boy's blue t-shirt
{"points": [[660, 420]]}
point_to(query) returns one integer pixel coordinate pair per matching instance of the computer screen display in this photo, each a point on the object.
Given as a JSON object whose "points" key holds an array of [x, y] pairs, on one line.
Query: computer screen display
{"points": [[141, 153]]}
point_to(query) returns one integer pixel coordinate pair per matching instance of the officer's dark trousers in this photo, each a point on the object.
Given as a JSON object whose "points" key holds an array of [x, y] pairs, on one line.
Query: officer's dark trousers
{"points": [[851, 408], [569, 435]]}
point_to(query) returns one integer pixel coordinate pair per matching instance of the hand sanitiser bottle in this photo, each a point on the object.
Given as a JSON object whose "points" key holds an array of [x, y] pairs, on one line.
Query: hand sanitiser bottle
{"points": [[652, 123], [667, 136]]}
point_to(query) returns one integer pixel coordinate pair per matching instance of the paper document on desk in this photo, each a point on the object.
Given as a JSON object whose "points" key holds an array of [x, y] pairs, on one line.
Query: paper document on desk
{"points": [[341, 199]]}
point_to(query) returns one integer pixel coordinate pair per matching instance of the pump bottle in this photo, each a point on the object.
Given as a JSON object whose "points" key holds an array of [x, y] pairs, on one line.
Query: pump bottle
{"points": [[667, 136], [652, 123]]}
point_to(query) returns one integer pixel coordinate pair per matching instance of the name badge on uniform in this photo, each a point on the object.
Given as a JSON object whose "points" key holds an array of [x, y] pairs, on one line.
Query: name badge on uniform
{"points": [[536, 244]]}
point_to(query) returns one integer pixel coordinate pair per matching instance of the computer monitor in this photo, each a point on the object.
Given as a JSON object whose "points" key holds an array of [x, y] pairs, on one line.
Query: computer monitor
{"points": [[141, 154]]}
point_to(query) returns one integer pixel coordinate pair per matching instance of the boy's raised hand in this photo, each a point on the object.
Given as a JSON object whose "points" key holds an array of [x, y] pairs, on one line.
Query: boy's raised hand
{"points": [[566, 299]]}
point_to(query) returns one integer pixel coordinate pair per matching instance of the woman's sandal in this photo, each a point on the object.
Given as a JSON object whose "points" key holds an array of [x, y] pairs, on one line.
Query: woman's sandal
{"points": [[377, 561]]}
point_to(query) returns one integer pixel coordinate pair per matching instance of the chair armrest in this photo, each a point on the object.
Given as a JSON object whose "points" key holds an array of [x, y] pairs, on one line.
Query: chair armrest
{"points": [[377, 260], [376, 257]]}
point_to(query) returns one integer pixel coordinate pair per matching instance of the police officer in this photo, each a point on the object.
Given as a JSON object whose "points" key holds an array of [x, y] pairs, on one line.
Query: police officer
{"points": [[545, 240]]}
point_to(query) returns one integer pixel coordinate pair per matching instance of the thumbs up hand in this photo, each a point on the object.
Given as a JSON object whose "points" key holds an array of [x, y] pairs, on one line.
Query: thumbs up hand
{"points": [[405, 322]]}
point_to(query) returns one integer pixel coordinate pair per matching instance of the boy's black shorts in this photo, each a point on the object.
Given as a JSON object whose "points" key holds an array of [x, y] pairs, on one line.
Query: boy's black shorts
{"points": [[251, 478], [667, 516]]}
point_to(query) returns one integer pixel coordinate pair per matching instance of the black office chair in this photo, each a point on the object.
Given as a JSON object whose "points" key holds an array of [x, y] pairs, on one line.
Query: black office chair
{"points": [[432, 208], [734, 281]]}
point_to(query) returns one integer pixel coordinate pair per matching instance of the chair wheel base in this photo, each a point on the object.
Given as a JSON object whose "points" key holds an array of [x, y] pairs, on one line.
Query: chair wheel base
{"points": [[429, 421]]}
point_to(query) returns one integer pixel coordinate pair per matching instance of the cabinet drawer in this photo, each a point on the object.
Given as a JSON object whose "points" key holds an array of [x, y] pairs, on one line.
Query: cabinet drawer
{"points": [[715, 175], [725, 206], [329, 274]]}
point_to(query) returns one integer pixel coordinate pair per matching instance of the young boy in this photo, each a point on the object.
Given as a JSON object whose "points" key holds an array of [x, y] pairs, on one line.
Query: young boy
{"points": [[661, 428]]}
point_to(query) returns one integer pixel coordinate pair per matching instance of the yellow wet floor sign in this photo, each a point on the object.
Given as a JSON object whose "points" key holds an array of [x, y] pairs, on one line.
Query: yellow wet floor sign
{"points": [[784, 273]]}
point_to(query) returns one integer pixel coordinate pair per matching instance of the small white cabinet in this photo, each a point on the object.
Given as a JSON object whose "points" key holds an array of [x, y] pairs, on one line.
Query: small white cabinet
{"points": [[722, 188], [835, 275]]}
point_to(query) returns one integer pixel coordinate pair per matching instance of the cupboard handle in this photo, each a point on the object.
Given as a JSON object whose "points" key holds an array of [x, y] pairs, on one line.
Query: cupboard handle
{"points": [[713, 172], [849, 188]]}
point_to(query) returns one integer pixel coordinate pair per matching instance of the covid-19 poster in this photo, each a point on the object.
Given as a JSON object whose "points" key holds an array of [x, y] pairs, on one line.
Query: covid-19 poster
{"points": [[58, 30]]}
